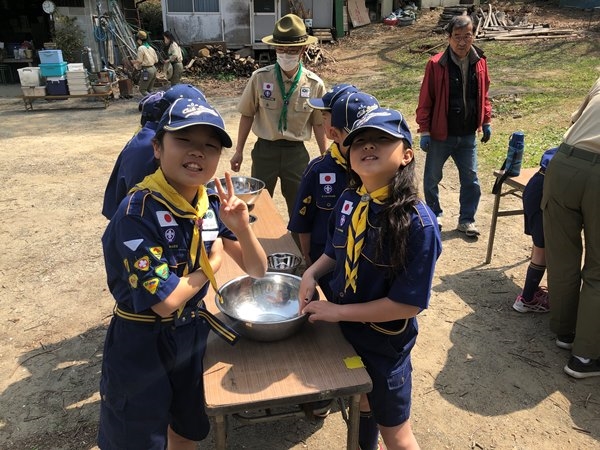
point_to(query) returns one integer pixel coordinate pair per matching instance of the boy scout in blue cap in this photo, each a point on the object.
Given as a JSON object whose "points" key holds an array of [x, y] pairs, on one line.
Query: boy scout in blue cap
{"points": [[161, 249], [382, 247], [136, 160], [326, 176]]}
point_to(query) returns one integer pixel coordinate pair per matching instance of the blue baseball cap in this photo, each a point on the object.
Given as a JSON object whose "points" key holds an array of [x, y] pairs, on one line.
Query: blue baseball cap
{"points": [[186, 112], [176, 92], [148, 106], [388, 120], [349, 108], [327, 101]]}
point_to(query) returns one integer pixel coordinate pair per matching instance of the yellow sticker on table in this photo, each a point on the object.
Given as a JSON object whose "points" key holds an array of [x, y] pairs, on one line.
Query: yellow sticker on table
{"points": [[353, 362]]}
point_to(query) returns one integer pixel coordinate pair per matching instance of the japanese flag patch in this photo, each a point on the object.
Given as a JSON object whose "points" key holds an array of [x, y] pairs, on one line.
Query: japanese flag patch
{"points": [[327, 178], [165, 219], [347, 207]]}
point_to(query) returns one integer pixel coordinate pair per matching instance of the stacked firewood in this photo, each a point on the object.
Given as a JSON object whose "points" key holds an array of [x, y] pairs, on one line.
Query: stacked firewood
{"points": [[213, 60], [495, 24]]}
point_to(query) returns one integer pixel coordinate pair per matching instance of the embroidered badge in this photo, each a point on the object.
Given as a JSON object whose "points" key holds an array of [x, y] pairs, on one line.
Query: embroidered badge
{"points": [[162, 271], [302, 211], [126, 264], [151, 285], [156, 252], [347, 207], [170, 235], [133, 244], [267, 94], [165, 219], [328, 189], [268, 89], [307, 200], [305, 92], [142, 264], [327, 178], [342, 220], [133, 281]]}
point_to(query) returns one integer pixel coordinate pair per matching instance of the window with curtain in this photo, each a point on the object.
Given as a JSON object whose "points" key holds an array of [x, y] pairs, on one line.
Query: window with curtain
{"points": [[193, 5]]}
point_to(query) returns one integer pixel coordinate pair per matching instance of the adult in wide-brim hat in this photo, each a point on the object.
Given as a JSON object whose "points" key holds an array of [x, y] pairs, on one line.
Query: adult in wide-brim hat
{"points": [[290, 31]]}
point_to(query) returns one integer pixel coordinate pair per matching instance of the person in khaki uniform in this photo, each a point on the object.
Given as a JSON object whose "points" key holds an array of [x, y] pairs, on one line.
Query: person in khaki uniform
{"points": [[275, 107], [146, 58]]}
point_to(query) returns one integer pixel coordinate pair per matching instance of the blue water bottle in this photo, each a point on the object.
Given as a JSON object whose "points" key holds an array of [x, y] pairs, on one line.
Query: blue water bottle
{"points": [[514, 156]]}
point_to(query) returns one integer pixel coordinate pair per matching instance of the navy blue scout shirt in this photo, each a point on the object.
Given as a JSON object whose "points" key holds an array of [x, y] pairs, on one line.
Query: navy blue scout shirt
{"points": [[133, 164], [146, 249], [411, 285], [323, 182]]}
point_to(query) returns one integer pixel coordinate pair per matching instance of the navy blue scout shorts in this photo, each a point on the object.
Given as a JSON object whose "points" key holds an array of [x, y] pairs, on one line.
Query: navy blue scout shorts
{"points": [[387, 360], [532, 199], [153, 381]]}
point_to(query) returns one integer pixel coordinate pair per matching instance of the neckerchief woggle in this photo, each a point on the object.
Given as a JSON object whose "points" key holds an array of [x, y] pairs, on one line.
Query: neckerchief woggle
{"points": [[358, 230], [282, 125], [165, 194], [337, 156]]}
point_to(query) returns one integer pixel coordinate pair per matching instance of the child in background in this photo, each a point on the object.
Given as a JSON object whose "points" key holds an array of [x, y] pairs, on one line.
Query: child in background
{"points": [[535, 298], [161, 250], [326, 176], [136, 160], [382, 247]]}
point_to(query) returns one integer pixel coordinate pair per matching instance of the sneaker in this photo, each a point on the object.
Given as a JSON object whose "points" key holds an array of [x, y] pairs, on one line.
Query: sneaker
{"points": [[469, 229], [539, 304], [578, 369], [565, 341], [321, 409]]}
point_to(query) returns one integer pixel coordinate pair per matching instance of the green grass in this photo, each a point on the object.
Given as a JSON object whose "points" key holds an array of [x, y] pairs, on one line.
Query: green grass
{"points": [[535, 85]]}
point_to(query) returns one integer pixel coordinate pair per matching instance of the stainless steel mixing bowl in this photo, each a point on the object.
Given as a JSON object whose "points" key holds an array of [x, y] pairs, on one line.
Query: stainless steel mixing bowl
{"points": [[284, 262], [262, 309], [246, 188]]}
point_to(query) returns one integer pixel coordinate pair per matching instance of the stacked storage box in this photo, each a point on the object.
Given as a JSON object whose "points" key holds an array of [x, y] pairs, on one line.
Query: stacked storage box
{"points": [[54, 69], [77, 79], [31, 82]]}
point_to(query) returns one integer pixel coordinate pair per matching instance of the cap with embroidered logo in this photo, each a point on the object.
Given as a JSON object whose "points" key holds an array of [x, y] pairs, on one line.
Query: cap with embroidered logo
{"points": [[330, 97], [149, 108], [350, 108], [185, 112], [388, 120]]}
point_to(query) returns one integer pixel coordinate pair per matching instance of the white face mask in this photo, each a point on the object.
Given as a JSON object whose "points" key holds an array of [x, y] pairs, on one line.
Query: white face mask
{"points": [[287, 62]]}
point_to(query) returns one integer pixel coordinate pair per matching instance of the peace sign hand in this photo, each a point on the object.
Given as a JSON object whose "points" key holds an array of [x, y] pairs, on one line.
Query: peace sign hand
{"points": [[233, 210]]}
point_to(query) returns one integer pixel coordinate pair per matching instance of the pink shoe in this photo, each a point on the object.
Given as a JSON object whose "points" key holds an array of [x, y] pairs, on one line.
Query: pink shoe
{"points": [[539, 304]]}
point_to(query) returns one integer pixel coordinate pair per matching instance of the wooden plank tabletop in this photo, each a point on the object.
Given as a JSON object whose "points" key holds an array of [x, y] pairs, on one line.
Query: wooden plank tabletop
{"points": [[308, 366], [520, 181]]}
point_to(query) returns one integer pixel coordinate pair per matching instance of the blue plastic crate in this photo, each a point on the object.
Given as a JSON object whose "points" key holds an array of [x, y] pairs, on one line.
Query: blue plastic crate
{"points": [[50, 56], [53, 70]]}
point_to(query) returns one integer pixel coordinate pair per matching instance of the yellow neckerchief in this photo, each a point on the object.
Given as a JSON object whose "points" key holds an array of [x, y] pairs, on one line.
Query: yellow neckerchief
{"points": [[337, 156], [358, 229], [164, 193]]}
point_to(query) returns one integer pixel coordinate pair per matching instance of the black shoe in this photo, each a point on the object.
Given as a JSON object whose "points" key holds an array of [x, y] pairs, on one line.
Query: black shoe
{"points": [[578, 369], [565, 341]]}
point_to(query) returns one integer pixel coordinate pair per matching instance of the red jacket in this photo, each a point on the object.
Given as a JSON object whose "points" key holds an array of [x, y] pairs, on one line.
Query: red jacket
{"points": [[432, 112]]}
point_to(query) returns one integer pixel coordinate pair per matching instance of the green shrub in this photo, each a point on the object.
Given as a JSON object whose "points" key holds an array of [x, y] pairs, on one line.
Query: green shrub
{"points": [[68, 37]]}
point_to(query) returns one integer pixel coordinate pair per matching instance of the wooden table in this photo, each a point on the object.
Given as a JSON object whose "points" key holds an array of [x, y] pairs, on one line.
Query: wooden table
{"points": [[516, 186], [306, 367], [29, 99], [22, 61]]}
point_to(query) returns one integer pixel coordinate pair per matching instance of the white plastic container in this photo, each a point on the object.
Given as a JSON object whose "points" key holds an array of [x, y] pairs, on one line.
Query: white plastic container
{"points": [[75, 67], [30, 76]]}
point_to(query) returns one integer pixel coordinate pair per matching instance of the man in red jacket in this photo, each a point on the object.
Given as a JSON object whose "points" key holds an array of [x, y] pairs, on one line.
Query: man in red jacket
{"points": [[453, 107]]}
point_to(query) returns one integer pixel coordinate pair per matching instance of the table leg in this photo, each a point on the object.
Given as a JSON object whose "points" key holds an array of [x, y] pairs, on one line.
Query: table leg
{"points": [[220, 433], [490, 247], [353, 422]]}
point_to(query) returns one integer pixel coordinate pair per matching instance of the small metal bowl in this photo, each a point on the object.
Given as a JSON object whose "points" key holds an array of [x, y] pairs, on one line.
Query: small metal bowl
{"points": [[246, 188], [283, 262], [262, 309]]}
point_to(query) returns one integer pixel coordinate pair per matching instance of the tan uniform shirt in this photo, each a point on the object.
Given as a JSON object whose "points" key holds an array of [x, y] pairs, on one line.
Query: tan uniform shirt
{"points": [[585, 132], [263, 100], [175, 54], [146, 56]]}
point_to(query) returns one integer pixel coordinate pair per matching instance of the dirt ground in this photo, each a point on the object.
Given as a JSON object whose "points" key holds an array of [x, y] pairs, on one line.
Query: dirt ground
{"points": [[485, 377]]}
